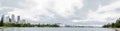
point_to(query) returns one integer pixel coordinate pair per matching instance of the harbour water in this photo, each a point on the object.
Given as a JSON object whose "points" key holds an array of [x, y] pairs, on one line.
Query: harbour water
{"points": [[55, 29]]}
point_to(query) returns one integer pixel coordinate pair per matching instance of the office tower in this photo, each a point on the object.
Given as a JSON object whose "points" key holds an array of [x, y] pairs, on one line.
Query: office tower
{"points": [[18, 19], [2, 21], [7, 19], [10, 20], [2, 18], [13, 18], [23, 21]]}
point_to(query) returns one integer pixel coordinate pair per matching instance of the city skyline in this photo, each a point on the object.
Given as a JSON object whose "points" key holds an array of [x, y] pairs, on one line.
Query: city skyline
{"points": [[71, 12], [12, 19]]}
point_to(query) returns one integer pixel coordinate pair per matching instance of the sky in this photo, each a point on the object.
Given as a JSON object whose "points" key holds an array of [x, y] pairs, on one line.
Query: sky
{"points": [[72, 12]]}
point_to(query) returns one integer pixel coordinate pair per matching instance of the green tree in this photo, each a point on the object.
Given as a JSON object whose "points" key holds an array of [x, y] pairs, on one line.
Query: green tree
{"points": [[1, 21], [117, 24], [114, 25], [108, 25]]}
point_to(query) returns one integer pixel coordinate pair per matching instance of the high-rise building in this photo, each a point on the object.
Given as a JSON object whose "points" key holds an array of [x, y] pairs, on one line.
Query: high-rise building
{"points": [[2, 21], [6, 19], [13, 18], [18, 19], [10, 20]]}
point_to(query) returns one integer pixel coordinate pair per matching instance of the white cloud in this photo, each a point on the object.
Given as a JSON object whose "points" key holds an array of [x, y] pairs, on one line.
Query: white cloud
{"points": [[105, 12], [35, 8], [109, 7], [66, 11], [75, 21], [80, 20]]}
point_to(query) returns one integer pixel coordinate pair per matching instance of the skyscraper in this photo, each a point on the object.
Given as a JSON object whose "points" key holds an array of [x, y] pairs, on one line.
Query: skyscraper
{"points": [[13, 18], [2, 21], [10, 20], [7, 19], [18, 19]]}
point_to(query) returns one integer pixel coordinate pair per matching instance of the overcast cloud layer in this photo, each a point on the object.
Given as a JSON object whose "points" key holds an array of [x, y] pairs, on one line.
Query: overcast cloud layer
{"points": [[75, 12]]}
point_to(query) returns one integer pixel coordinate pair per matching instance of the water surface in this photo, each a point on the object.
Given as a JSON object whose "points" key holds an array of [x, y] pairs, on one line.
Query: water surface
{"points": [[56, 29]]}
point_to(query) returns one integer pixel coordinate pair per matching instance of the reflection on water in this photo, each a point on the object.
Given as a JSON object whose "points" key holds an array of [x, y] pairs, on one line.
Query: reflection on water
{"points": [[56, 29]]}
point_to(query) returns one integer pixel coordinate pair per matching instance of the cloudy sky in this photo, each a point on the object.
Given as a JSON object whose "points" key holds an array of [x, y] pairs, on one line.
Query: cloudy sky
{"points": [[74, 12]]}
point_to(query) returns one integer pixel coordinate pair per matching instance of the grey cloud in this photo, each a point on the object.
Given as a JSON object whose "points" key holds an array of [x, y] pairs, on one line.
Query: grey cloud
{"points": [[80, 13], [107, 2], [8, 6], [117, 10], [11, 3]]}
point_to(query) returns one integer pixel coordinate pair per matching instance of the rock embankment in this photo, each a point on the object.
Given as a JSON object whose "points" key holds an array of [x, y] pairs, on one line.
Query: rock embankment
{"points": [[117, 29]]}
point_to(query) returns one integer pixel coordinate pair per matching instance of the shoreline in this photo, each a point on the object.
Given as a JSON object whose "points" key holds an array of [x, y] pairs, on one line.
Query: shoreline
{"points": [[1, 27], [117, 29]]}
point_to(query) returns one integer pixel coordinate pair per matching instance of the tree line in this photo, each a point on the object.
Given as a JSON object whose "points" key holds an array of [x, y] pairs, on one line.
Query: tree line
{"points": [[113, 25], [2, 24]]}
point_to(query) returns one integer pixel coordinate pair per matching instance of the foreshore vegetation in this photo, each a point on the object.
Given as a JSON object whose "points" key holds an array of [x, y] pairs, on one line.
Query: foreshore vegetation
{"points": [[2, 24], [113, 25]]}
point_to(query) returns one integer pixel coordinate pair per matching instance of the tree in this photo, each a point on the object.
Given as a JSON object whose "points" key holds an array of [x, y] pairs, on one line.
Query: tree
{"points": [[117, 24], [1, 22], [108, 25], [114, 25]]}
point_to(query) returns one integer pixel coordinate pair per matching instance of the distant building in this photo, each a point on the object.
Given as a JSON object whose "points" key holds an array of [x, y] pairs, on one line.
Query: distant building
{"points": [[10, 20], [18, 19], [13, 18], [23, 21], [6, 19], [2, 18]]}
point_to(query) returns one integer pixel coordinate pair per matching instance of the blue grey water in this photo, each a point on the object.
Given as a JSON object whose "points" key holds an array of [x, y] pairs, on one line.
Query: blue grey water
{"points": [[56, 29]]}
